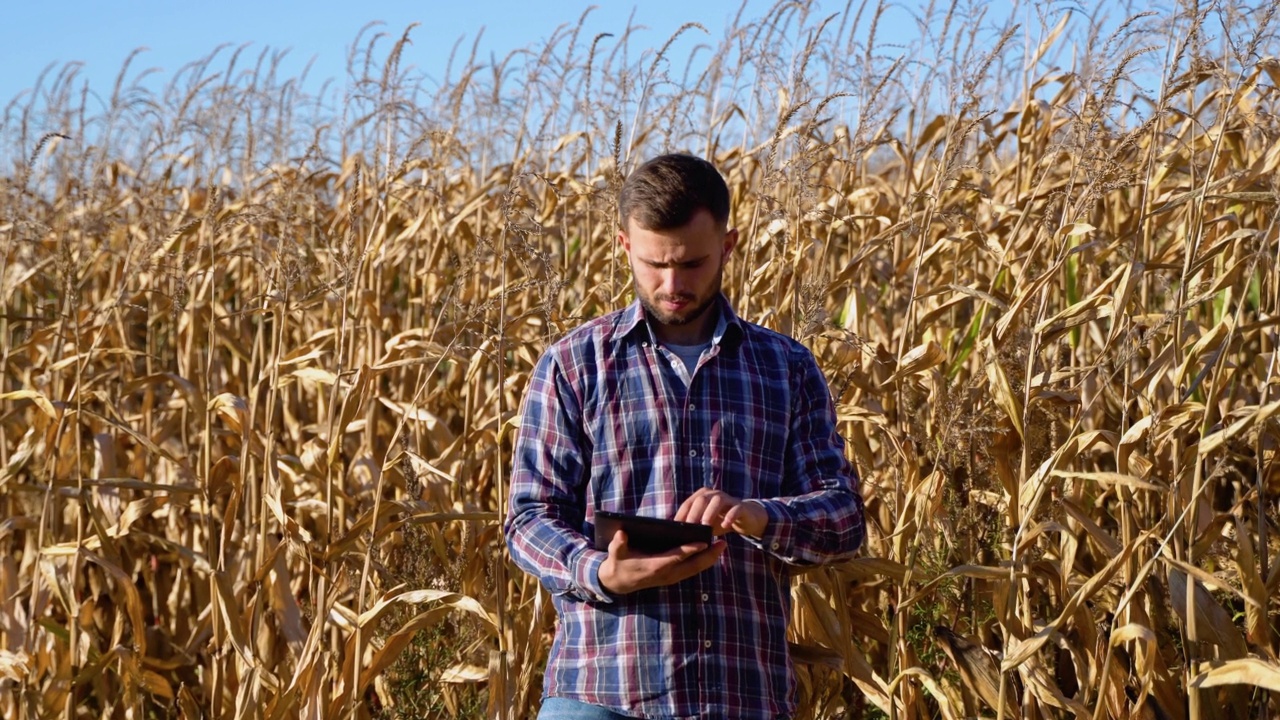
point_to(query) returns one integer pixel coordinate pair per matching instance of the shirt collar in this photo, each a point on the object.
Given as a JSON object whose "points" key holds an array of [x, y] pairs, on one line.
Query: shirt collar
{"points": [[728, 332]]}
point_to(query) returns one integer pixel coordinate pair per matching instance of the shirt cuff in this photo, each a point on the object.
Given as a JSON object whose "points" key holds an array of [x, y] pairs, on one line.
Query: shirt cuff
{"points": [[586, 575], [779, 534]]}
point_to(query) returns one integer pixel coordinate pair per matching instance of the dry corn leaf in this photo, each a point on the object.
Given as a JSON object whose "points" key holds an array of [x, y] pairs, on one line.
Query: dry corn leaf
{"points": [[156, 684], [1216, 439], [1032, 492], [352, 402], [397, 641], [1113, 479], [137, 510], [31, 444], [291, 526], [917, 360], [931, 686], [34, 396], [1093, 308], [876, 690], [1207, 343], [1005, 398], [15, 665], [979, 572], [1107, 542], [1257, 628], [414, 597], [464, 673], [1146, 654], [1241, 671], [132, 598], [231, 408], [1213, 624], [187, 389], [1133, 272], [867, 568], [183, 467], [1037, 680], [311, 374], [225, 604], [1020, 650], [809, 596], [811, 654]]}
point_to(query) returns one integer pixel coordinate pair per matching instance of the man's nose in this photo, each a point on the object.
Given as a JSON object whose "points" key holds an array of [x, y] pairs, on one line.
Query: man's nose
{"points": [[672, 283]]}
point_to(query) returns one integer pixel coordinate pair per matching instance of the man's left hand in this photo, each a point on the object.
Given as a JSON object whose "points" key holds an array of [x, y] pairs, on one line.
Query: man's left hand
{"points": [[724, 513]]}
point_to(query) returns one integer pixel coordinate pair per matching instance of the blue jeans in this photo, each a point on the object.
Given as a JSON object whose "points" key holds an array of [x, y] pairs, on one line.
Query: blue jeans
{"points": [[554, 708]]}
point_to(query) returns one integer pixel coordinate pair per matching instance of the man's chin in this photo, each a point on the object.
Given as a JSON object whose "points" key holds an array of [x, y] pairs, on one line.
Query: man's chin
{"points": [[673, 320], [682, 318]]}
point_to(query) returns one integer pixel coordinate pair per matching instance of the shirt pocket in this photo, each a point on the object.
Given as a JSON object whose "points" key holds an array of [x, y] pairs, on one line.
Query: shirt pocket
{"points": [[748, 455], [632, 462]]}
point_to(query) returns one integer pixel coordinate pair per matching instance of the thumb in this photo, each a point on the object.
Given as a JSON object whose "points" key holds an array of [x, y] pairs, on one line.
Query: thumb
{"points": [[618, 545]]}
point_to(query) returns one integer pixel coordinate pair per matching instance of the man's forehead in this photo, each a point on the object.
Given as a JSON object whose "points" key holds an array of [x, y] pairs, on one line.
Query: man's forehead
{"points": [[701, 217], [657, 248]]}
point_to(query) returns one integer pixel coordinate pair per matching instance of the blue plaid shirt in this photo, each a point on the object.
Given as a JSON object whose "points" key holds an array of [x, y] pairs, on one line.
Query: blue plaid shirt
{"points": [[613, 421]]}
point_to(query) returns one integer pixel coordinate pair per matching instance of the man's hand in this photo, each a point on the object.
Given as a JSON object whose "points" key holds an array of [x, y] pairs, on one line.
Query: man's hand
{"points": [[723, 512], [626, 571]]}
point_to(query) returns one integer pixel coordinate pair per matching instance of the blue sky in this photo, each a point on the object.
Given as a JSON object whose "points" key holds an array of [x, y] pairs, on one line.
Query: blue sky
{"points": [[102, 33]]}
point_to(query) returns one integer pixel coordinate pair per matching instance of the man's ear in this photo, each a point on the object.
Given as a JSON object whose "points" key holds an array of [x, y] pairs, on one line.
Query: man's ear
{"points": [[730, 241], [624, 241]]}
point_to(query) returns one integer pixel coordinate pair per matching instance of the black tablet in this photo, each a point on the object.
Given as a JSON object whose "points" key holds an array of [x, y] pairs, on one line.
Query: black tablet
{"points": [[649, 535]]}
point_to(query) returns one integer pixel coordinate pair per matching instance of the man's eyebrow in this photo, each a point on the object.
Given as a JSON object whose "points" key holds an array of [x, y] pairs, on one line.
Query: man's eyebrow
{"points": [[664, 263]]}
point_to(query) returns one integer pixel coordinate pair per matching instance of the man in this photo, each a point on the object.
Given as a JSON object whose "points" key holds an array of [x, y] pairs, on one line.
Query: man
{"points": [[676, 408]]}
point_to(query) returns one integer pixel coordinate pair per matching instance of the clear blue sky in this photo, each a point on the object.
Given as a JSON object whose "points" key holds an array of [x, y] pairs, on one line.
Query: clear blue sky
{"points": [[102, 33]]}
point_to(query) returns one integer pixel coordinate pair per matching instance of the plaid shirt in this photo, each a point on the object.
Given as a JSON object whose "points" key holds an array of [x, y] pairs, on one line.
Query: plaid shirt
{"points": [[613, 421]]}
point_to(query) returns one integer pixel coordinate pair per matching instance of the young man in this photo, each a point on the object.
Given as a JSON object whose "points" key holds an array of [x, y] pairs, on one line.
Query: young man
{"points": [[676, 408]]}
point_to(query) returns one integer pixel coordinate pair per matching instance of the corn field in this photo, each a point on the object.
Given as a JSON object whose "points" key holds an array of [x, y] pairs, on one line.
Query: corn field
{"points": [[261, 352]]}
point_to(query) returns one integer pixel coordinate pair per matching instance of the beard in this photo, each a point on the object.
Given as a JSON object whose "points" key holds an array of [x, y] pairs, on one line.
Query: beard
{"points": [[688, 314]]}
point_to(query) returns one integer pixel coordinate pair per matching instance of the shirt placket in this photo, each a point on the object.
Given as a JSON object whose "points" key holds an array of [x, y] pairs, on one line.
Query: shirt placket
{"points": [[696, 432], [690, 426]]}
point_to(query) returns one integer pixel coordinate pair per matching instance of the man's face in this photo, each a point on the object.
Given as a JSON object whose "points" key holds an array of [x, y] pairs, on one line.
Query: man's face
{"points": [[678, 272]]}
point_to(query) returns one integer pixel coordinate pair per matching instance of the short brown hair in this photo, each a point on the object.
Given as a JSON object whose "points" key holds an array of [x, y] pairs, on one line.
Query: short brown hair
{"points": [[667, 191]]}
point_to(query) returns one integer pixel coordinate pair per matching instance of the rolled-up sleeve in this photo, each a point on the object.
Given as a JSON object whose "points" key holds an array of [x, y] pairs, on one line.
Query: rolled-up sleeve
{"points": [[548, 484]]}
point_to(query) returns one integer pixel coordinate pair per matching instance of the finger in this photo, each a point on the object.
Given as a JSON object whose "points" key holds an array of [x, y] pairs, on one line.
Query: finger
{"points": [[681, 554], [666, 570], [688, 509], [695, 564], [731, 517], [691, 502], [715, 507], [691, 510], [747, 519], [703, 560]]}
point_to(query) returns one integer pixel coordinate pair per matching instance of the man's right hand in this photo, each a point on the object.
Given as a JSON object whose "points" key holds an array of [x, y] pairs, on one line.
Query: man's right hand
{"points": [[626, 571]]}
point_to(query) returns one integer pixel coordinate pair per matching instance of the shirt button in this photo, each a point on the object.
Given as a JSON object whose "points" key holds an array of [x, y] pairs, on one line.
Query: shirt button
{"points": [[690, 407], [693, 453], [707, 644], [705, 597], [776, 546]]}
